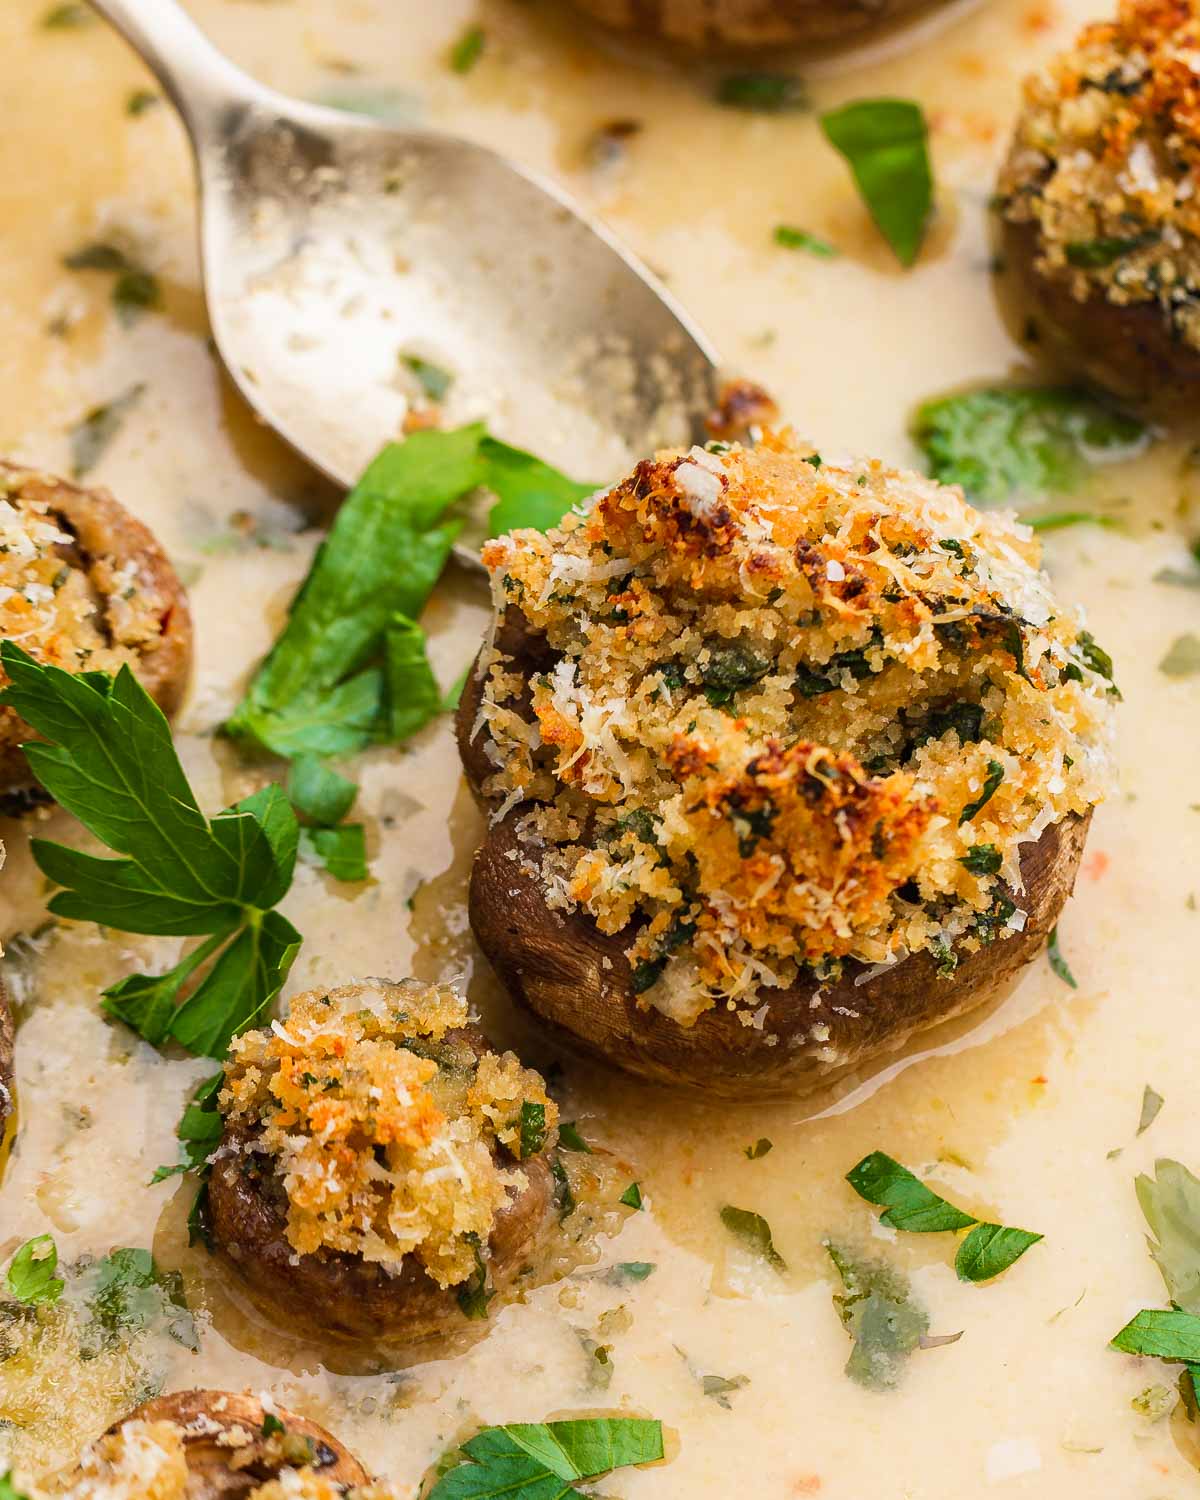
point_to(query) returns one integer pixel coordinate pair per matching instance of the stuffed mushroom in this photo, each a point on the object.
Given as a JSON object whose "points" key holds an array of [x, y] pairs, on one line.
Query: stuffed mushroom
{"points": [[716, 25], [382, 1171], [215, 1445], [84, 586], [784, 760], [1099, 213]]}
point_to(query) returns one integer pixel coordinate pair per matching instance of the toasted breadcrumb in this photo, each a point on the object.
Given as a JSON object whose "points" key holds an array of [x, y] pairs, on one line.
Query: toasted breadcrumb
{"points": [[1105, 157], [388, 1129], [768, 691]]}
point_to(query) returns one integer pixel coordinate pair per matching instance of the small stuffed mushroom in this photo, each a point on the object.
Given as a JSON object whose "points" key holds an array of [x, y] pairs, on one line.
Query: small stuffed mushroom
{"points": [[215, 1445], [784, 761], [748, 25], [86, 587], [382, 1171], [1100, 221]]}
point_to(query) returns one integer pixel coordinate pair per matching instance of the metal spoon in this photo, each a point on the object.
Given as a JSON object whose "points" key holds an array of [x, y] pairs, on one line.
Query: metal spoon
{"points": [[335, 249]]}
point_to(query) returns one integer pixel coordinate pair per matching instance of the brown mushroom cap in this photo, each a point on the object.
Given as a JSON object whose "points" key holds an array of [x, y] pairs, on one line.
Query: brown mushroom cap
{"points": [[102, 527], [341, 1295], [207, 1417], [577, 980], [7, 1049], [713, 25], [1127, 349]]}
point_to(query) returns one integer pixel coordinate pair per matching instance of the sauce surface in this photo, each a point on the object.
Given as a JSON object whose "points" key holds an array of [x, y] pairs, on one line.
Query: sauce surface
{"points": [[1017, 1114]]}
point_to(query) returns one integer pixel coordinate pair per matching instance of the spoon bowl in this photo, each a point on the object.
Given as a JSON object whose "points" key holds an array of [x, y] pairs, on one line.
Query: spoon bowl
{"points": [[343, 258]]}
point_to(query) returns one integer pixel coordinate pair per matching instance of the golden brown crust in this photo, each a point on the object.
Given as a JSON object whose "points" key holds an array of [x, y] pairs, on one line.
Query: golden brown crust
{"points": [[7, 1049], [710, 25], [577, 981], [207, 1416], [101, 527], [334, 1294], [1128, 349]]}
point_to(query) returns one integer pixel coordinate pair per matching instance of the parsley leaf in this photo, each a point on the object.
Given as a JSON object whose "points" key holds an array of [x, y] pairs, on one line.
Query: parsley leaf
{"points": [[130, 1293], [533, 1128], [110, 761], [1170, 1200], [886, 142], [1183, 658], [198, 1130], [8, 1490], [880, 1314], [910, 1205], [759, 1149], [467, 51], [982, 859], [1152, 1102], [626, 1271], [917, 1209], [632, 1196], [1163, 1333], [30, 1276], [528, 492], [754, 1232], [1004, 442], [319, 793], [569, 1138], [544, 1460], [990, 1249], [90, 437]]}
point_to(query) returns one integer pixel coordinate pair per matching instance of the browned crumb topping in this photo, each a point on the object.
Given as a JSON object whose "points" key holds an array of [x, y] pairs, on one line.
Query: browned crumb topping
{"points": [[785, 713], [148, 1461], [72, 611], [390, 1133], [1105, 160]]}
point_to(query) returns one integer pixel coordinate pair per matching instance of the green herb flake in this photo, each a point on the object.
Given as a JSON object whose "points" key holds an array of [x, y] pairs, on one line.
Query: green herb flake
{"points": [[532, 1127], [105, 742], [1003, 443], [990, 1249], [8, 1488], [1155, 1402], [995, 775], [886, 143], [544, 1460], [67, 16], [1183, 658], [139, 101], [433, 379], [1092, 255], [569, 1138], [1057, 962], [754, 1233], [762, 92], [340, 851], [982, 859], [721, 1387], [91, 437], [1152, 1103], [910, 1205], [759, 1149], [272, 1426], [880, 1313], [30, 1277], [130, 1293], [626, 1272], [791, 238], [1170, 1201], [477, 1291], [468, 49], [632, 1196], [1163, 1334], [317, 792]]}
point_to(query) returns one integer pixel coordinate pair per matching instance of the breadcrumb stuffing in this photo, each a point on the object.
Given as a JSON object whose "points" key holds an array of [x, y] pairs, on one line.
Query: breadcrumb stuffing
{"points": [[392, 1135], [783, 713], [1104, 161], [148, 1461], [65, 608]]}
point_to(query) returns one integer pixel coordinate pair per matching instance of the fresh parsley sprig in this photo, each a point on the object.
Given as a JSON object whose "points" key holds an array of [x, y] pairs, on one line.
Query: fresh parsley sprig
{"points": [[545, 1460], [913, 1207], [109, 760], [350, 668]]}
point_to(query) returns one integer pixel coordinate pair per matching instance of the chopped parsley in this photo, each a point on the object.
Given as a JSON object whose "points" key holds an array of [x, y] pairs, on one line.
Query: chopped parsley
{"points": [[753, 1231], [791, 238], [886, 143], [995, 775]]}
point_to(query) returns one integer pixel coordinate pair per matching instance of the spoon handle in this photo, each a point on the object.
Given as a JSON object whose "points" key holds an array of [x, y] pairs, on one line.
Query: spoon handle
{"points": [[200, 81]]}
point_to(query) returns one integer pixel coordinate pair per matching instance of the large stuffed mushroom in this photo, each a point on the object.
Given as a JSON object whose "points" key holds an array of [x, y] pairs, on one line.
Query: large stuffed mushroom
{"points": [[382, 1171], [215, 1445], [749, 25], [86, 587], [1099, 213], [784, 761]]}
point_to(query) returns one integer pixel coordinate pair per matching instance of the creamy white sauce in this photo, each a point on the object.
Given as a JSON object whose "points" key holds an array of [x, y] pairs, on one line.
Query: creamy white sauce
{"points": [[1021, 1107]]}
